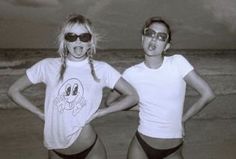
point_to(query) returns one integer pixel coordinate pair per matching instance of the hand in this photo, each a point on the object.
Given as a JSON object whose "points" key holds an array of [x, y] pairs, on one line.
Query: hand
{"points": [[97, 114]]}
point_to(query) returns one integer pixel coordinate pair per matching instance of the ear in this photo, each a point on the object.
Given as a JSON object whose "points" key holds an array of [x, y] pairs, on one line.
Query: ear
{"points": [[167, 46]]}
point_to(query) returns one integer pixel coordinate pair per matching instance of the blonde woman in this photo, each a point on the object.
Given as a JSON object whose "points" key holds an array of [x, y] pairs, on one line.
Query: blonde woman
{"points": [[74, 84]]}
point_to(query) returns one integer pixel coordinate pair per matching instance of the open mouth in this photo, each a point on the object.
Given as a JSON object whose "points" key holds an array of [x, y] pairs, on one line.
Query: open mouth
{"points": [[78, 49], [151, 47]]}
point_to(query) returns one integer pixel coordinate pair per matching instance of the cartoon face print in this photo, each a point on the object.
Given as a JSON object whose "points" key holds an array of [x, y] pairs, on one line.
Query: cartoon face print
{"points": [[70, 96], [71, 92]]}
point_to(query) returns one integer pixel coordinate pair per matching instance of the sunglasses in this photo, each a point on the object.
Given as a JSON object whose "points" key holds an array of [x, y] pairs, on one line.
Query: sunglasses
{"points": [[72, 37], [161, 36]]}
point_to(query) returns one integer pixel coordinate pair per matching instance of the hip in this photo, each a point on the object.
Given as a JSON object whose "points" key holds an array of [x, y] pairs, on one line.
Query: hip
{"points": [[83, 141], [161, 143]]}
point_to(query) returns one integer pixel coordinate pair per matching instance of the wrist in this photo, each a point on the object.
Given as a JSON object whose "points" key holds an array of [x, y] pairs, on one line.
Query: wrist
{"points": [[184, 119], [101, 112], [40, 114]]}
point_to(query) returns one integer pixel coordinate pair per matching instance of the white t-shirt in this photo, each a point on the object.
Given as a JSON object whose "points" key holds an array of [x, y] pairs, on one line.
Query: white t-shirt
{"points": [[162, 93], [71, 102]]}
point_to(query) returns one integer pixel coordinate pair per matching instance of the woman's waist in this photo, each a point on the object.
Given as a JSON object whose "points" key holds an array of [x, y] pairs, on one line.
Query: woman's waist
{"points": [[83, 141], [161, 143], [160, 119], [158, 111], [161, 130]]}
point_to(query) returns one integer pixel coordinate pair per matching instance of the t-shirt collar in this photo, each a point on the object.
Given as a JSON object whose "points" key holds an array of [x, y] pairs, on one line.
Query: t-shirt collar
{"points": [[77, 63]]}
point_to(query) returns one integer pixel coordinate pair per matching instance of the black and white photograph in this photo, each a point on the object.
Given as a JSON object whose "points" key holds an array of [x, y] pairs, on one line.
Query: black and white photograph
{"points": [[117, 79]]}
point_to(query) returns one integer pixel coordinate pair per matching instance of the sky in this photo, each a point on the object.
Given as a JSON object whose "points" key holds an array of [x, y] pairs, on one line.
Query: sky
{"points": [[195, 24]]}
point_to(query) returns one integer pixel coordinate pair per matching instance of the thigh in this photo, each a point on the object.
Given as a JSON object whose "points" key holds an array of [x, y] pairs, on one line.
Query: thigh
{"points": [[176, 155], [135, 150], [98, 151], [52, 155]]}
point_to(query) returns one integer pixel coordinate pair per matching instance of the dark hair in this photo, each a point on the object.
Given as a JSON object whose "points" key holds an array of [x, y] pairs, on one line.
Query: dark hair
{"points": [[152, 20]]}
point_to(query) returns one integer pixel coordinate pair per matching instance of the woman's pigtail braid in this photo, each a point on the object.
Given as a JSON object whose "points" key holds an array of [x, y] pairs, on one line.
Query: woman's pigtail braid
{"points": [[90, 58], [63, 65], [63, 68]]}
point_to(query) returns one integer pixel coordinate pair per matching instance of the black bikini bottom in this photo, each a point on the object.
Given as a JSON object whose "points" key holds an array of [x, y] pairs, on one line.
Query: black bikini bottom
{"points": [[153, 153], [81, 155]]}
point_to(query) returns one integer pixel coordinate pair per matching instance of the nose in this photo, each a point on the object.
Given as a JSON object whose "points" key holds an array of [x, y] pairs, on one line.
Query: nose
{"points": [[77, 41], [154, 38]]}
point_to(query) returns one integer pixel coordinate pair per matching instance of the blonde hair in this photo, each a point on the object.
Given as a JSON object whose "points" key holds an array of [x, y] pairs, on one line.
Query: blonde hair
{"points": [[63, 51]]}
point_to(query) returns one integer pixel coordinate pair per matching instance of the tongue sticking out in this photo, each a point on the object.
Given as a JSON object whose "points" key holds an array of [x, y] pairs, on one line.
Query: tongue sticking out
{"points": [[151, 47], [78, 49]]}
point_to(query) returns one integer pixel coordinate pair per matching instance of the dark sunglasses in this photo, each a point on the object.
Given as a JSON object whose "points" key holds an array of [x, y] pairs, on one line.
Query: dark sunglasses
{"points": [[161, 36], [72, 37]]}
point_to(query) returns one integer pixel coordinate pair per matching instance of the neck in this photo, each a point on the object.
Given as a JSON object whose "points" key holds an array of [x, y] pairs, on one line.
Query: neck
{"points": [[74, 58], [153, 62]]}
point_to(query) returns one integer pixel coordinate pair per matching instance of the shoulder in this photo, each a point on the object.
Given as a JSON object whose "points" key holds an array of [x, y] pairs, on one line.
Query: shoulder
{"points": [[175, 57], [101, 64], [182, 64], [50, 61], [47, 64], [178, 57], [135, 68], [53, 60], [98, 62]]}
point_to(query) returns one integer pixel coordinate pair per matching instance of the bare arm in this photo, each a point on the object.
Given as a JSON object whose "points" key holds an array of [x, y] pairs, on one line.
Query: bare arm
{"points": [[115, 95], [125, 98], [206, 94], [15, 94], [112, 96]]}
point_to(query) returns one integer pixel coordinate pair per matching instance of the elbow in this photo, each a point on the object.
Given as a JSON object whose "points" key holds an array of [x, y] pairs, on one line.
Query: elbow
{"points": [[12, 92], [135, 98], [133, 101], [210, 96], [108, 102]]}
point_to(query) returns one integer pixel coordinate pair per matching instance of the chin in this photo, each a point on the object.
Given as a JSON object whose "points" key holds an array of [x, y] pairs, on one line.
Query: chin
{"points": [[79, 54], [81, 57], [152, 53]]}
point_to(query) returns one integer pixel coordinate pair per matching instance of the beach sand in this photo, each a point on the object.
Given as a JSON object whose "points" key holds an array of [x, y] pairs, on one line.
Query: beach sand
{"points": [[211, 134]]}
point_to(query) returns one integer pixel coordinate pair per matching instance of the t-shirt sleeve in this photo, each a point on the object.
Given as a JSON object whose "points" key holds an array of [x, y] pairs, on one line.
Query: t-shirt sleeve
{"points": [[111, 76], [36, 73], [183, 66], [126, 75]]}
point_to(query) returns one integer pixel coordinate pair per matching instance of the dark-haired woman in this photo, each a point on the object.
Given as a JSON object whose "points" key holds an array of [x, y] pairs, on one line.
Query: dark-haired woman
{"points": [[160, 82]]}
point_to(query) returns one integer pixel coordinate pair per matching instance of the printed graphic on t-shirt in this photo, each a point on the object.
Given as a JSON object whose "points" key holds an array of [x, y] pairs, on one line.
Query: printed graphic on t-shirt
{"points": [[70, 97]]}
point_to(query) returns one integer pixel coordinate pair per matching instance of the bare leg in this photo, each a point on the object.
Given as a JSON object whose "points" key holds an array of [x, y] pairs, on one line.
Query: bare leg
{"points": [[176, 155], [52, 155], [135, 150], [98, 151]]}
